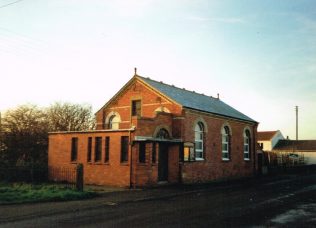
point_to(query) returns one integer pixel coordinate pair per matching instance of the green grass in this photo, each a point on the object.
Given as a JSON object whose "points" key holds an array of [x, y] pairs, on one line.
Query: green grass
{"points": [[25, 193]]}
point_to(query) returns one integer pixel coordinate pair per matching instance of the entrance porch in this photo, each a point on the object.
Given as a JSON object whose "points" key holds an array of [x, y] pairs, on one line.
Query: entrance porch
{"points": [[155, 162]]}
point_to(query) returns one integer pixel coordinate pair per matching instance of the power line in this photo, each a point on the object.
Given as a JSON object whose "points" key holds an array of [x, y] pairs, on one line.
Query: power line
{"points": [[3, 6]]}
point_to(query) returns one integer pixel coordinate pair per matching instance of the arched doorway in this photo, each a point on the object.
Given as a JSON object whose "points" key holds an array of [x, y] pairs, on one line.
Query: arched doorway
{"points": [[163, 158]]}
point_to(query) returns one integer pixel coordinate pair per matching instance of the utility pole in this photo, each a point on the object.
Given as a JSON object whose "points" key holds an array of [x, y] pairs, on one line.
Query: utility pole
{"points": [[296, 112]]}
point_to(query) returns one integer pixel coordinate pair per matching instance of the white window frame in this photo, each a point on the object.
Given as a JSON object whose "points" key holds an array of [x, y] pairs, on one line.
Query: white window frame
{"points": [[199, 129], [114, 121], [225, 141], [246, 145]]}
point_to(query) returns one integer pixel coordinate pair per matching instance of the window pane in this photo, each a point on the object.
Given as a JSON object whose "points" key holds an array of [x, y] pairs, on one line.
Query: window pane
{"points": [[198, 145], [198, 154], [136, 108], [89, 149], [107, 149], [98, 149], [225, 147], [74, 149], [124, 148], [225, 155]]}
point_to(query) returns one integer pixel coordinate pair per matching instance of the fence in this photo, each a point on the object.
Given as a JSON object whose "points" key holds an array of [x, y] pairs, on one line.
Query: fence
{"points": [[278, 162], [71, 177], [24, 174], [68, 176], [277, 159]]}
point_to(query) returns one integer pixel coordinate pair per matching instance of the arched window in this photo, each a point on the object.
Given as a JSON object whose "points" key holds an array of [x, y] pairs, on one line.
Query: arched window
{"points": [[199, 141], [114, 122], [247, 144], [162, 109], [163, 134], [225, 143]]}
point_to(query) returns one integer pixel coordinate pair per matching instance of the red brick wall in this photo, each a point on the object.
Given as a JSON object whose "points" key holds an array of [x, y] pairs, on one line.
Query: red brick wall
{"points": [[144, 174], [135, 91], [213, 167], [112, 173], [147, 127]]}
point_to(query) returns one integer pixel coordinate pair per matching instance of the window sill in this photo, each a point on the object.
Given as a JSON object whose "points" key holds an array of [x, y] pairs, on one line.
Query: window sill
{"points": [[98, 163], [247, 159], [199, 159], [142, 163], [74, 162], [124, 164], [226, 160]]}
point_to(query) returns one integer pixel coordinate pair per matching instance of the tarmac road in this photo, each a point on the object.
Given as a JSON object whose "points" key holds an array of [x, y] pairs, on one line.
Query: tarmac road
{"points": [[286, 201]]}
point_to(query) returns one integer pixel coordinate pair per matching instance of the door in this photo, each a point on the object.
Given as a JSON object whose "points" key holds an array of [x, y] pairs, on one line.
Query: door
{"points": [[163, 162]]}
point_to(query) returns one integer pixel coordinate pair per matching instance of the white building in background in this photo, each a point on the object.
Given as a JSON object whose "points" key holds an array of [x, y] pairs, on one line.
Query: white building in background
{"points": [[268, 139]]}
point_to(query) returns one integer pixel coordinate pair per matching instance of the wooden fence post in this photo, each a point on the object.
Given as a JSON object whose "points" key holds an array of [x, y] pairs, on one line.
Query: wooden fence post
{"points": [[79, 177]]}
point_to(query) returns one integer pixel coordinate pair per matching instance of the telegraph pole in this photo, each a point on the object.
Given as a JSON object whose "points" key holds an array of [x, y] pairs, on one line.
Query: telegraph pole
{"points": [[296, 112]]}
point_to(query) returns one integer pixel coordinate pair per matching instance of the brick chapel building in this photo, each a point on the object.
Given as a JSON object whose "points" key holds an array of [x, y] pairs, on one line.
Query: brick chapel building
{"points": [[151, 133]]}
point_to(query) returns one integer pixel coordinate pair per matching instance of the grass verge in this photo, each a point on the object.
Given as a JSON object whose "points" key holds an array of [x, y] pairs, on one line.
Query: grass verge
{"points": [[12, 193]]}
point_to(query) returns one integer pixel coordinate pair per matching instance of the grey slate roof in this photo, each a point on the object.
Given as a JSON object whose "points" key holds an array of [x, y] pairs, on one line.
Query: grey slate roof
{"points": [[196, 101]]}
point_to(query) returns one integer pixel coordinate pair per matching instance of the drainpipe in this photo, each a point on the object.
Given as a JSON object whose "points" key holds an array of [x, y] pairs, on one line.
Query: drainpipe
{"points": [[131, 161]]}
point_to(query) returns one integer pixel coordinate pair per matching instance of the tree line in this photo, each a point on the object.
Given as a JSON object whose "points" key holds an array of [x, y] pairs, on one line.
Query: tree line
{"points": [[24, 130]]}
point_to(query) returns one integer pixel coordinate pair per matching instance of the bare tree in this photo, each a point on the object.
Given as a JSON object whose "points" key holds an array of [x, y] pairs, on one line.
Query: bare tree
{"points": [[70, 117], [24, 135], [24, 130]]}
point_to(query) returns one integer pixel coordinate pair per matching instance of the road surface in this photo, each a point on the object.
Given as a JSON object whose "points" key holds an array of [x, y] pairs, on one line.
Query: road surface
{"points": [[289, 201]]}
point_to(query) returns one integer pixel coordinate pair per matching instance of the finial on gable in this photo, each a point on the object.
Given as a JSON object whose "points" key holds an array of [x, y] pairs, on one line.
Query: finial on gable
{"points": [[135, 71]]}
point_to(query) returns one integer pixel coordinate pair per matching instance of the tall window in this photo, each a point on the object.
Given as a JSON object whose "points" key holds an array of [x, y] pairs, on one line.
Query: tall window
{"points": [[74, 149], [107, 149], [225, 143], [124, 148], [142, 152], [199, 141], [114, 122], [247, 145], [89, 149], [98, 149], [136, 108]]}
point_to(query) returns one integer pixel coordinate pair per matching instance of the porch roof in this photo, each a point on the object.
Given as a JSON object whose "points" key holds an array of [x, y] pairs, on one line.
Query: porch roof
{"points": [[152, 139]]}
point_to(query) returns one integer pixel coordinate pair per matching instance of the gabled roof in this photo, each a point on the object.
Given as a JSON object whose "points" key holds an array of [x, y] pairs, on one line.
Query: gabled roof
{"points": [[290, 145], [196, 101], [266, 135]]}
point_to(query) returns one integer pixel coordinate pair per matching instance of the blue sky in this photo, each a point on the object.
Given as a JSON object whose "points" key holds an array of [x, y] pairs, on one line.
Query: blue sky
{"points": [[260, 56]]}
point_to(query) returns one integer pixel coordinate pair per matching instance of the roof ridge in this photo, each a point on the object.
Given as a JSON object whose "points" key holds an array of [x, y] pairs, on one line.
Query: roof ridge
{"points": [[173, 86]]}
